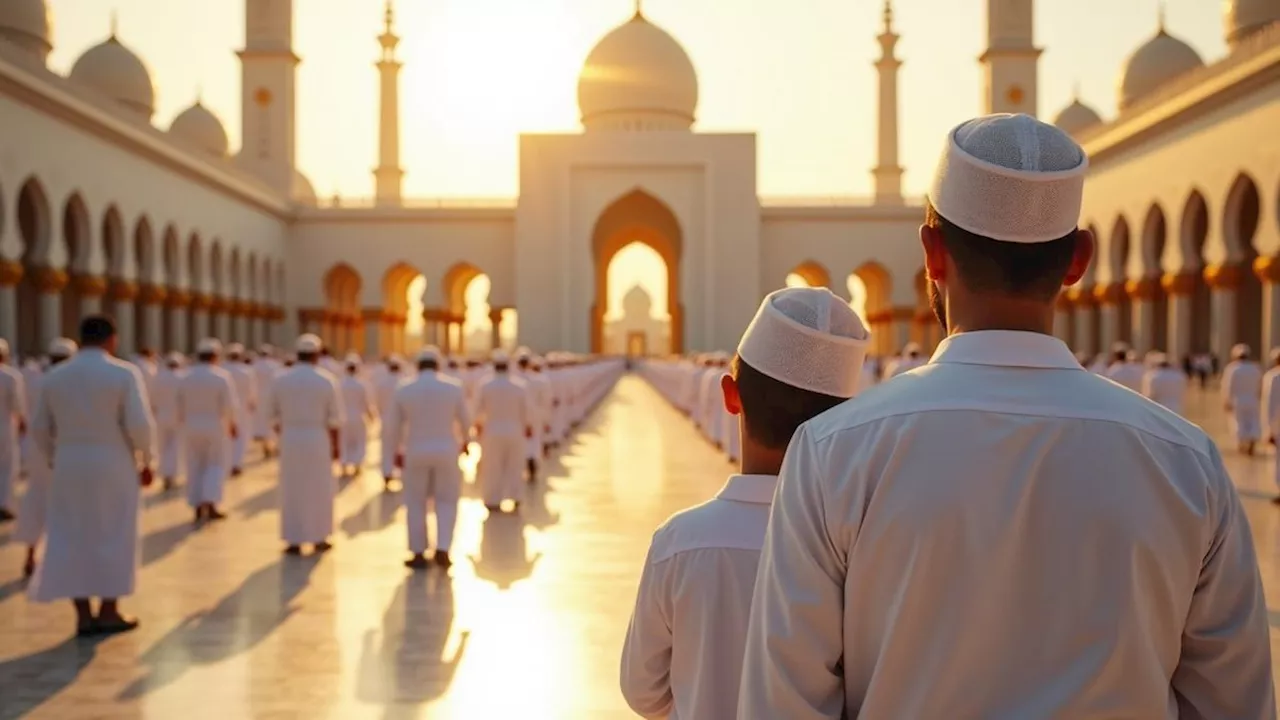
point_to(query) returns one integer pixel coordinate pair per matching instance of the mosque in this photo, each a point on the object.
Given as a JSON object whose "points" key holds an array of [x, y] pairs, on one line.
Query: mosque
{"points": [[178, 237]]}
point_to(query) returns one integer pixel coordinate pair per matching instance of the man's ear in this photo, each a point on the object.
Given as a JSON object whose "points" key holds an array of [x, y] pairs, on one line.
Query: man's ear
{"points": [[732, 401], [1085, 246], [935, 254]]}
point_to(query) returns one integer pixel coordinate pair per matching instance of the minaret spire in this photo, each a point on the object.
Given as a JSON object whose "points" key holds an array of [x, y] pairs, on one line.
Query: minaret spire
{"points": [[888, 173], [387, 177]]}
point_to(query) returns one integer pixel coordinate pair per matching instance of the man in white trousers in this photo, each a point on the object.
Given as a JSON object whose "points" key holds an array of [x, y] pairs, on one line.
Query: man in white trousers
{"points": [[209, 412], [35, 503], [357, 402], [384, 395], [13, 425], [428, 424], [246, 383], [164, 406], [504, 421], [1241, 397]]}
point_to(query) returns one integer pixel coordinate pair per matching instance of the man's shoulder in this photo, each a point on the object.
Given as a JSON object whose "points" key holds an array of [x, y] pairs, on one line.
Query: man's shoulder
{"points": [[712, 525]]}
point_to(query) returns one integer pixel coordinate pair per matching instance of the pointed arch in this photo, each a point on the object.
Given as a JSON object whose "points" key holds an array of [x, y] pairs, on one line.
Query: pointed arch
{"points": [[1241, 217], [813, 273], [78, 239], [637, 216], [217, 271], [144, 251], [395, 287], [1193, 234], [34, 230], [1154, 245], [1118, 260]]}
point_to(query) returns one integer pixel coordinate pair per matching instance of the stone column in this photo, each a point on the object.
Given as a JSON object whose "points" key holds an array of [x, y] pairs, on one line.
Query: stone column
{"points": [[1083, 302], [220, 319], [50, 282], [1142, 293], [1108, 297], [10, 276], [376, 342], [1180, 288], [178, 301], [124, 293], [1268, 271], [235, 320], [311, 320], [200, 317], [1223, 281], [152, 297], [91, 289]]}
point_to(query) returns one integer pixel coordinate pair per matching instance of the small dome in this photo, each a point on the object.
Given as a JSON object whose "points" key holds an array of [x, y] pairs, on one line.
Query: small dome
{"points": [[26, 25], [303, 192], [199, 127], [636, 303], [1161, 59], [1245, 17], [638, 78], [115, 71], [1076, 117]]}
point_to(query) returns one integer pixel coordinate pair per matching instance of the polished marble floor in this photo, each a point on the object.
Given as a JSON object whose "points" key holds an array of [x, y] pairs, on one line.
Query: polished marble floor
{"points": [[528, 623]]}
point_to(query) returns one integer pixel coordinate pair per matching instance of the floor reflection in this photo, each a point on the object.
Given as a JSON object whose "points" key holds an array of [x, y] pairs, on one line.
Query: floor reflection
{"points": [[503, 558], [27, 682]]}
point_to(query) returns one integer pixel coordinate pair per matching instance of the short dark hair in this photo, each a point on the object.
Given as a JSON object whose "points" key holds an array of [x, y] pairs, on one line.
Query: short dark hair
{"points": [[1033, 270], [428, 365], [96, 330], [771, 409]]}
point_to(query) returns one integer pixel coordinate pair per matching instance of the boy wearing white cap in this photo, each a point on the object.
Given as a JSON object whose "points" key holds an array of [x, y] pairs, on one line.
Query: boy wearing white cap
{"points": [[427, 427], [209, 412], [800, 356], [1003, 534], [246, 383], [35, 503], [164, 404], [13, 425], [357, 402], [504, 421], [1241, 395]]}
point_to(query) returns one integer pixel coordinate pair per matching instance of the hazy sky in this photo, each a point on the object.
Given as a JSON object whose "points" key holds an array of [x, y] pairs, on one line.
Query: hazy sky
{"points": [[478, 72]]}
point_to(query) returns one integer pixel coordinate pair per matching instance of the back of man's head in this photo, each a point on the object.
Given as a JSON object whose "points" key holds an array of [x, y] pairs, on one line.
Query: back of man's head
{"points": [[97, 331]]}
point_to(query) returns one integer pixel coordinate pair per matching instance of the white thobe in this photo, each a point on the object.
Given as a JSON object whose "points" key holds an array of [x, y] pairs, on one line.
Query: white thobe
{"points": [[384, 391], [1242, 391], [428, 421], [246, 384], [712, 401], [164, 407], [1006, 537], [31, 373], [13, 411], [39, 471], [94, 420], [264, 373], [1128, 374], [307, 405], [1167, 386], [503, 412], [682, 657], [1271, 402], [357, 402], [208, 405], [540, 402]]}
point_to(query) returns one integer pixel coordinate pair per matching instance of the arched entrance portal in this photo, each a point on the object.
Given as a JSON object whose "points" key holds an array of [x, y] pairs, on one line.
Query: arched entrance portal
{"points": [[637, 217]]}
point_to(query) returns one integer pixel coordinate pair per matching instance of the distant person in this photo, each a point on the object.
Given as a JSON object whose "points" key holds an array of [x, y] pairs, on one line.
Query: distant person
{"points": [[1002, 534], [164, 407], [1271, 408], [682, 658], [504, 420], [13, 425], [34, 512], [1164, 383], [361, 410], [1241, 396], [94, 423], [384, 395], [265, 369], [210, 413], [245, 379], [1125, 368]]}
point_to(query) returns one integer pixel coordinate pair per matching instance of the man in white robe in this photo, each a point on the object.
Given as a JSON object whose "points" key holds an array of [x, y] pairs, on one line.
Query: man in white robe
{"points": [[682, 657], [13, 425], [265, 369], [164, 407], [358, 404], [428, 423], [1241, 396], [384, 392], [1271, 410], [94, 422], [504, 421], [245, 379], [307, 408], [1006, 536], [1164, 383], [209, 412], [1125, 368], [540, 400], [35, 503]]}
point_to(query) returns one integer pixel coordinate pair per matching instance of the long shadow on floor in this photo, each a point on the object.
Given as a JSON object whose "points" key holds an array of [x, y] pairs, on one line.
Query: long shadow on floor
{"points": [[504, 558], [376, 514], [159, 544], [405, 663], [238, 623], [29, 681], [263, 501]]}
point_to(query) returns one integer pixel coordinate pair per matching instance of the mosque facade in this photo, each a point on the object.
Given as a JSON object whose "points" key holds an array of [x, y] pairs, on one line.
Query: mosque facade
{"points": [[178, 237]]}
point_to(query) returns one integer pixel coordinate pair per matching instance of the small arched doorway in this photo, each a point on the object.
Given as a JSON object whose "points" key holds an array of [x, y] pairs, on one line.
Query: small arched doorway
{"points": [[1195, 232], [637, 217], [1240, 224]]}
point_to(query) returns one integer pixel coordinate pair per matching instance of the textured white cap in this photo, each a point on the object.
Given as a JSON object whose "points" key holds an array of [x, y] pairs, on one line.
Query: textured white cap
{"points": [[235, 350], [395, 359], [308, 343], [1239, 350], [175, 358], [353, 359], [63, 348], [1010, 178], [209, 346], [499, 357], [808, 338], [430, 353]]}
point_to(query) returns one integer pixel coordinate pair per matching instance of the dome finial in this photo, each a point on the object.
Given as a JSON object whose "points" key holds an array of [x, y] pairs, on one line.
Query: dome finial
{"points": [[639, 10], [888, 16], [115, 24], [199, 94], [1161, 9], [390, 16]]}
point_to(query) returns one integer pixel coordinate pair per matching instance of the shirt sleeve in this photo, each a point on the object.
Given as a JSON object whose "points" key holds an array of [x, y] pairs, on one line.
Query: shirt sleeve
{"points": [[646, 652], [1225, 667], [795, 636], [20, 397]]}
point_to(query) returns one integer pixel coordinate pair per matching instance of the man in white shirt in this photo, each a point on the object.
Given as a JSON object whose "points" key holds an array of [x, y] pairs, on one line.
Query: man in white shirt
{"points": [[13, 425], [504, 420], [1006, 535], [682, 657], [357, 403], [245, 380], [35, 503], [1125, 368], [384, 392], [208, 409], [1241, 395], [164, 407], [428, 424], [1164, 383]]}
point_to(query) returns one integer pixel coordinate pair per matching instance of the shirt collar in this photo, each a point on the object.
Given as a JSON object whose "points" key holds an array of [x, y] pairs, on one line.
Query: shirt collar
{"points": [[1006, 348], [757, 489]]}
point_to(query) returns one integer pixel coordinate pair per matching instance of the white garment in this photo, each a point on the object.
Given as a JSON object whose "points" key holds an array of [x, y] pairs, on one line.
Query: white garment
{"points": [[357, 402], [94, 420], [1128, 374], [208, 405], [1167, 386], [13, 411], [307, 405], [384, 391], [1006, 537], [264, 372], [246, 384], [682, 657], [164, 406], [503, 412], [1242, 393], [1271, 401], [540, 401]]}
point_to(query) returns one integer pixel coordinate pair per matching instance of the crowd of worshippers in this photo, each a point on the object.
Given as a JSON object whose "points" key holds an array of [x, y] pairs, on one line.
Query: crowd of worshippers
{"points": [[88, 431], [991, 532]]}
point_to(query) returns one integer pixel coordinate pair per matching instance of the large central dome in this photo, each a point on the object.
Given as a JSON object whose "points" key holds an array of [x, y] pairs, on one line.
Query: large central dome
{"points": [[638, 78]]}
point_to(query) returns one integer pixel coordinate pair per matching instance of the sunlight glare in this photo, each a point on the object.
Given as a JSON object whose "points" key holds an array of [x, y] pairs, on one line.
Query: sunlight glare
{"points": [[795, 280], [637, 264], [858, 296], [414, 324], [476, 327]]}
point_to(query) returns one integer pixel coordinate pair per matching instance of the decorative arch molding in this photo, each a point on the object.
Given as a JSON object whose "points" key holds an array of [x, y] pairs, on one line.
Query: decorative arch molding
{"points": [[879, 284], [637, 217], [813, 273], [1240, 218], [456, 280], [1193, 231], [35, 226], [342, 288], [1155, 234], [395, 287], [1118, 251], [77, 235], [144, 251]]}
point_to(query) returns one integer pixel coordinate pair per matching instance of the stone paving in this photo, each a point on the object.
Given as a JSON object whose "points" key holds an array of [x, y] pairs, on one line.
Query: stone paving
{"points": [[528, 623]]}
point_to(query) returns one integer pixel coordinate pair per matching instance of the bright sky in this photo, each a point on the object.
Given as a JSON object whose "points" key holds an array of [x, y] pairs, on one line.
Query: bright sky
{"points": [[478, 72]]}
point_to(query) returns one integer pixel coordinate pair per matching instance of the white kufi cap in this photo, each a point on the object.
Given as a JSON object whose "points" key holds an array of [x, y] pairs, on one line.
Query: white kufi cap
{"points": [[308, 343], [63, 348], [808, 338], [353, 359], [499, 357], [1010, 178], [209, 346], [1239, 350], [429, 353], [235, 350]]}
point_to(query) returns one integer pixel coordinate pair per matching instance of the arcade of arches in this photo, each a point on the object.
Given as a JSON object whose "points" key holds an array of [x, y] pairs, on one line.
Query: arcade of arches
{"points": [[165, 287], [869, 289]]}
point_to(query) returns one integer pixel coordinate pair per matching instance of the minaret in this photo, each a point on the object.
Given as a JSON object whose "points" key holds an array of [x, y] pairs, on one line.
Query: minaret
{"points": [[1010, 81], [268, 71], [887, 173], [388, 175]]}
